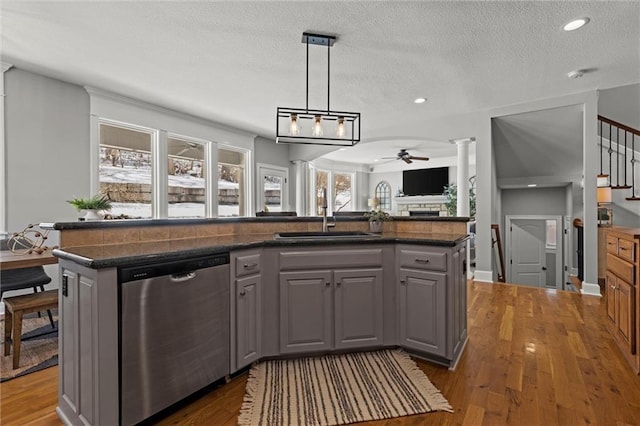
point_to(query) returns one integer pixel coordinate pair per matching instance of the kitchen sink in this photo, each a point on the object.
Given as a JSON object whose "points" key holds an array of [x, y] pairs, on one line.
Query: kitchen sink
{"points": [[323, 235]]}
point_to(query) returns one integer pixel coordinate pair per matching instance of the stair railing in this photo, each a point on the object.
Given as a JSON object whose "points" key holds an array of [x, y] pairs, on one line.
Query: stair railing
{"points": [[633, 161]]}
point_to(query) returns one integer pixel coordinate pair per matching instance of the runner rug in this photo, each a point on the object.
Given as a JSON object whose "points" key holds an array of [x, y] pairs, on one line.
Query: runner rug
{"points": [[39, 351], [338, 389]]}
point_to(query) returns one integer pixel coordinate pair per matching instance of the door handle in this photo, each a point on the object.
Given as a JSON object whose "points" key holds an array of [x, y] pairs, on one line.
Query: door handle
{"points": [[544, 268], [176, 278]]}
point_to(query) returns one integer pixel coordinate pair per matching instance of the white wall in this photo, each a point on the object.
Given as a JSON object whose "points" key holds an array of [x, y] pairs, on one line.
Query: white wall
{"points": [[621, 104], [534, 201]]}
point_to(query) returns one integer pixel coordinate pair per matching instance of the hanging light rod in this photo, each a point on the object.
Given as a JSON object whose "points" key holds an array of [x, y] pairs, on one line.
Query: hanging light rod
{"points": [[306, 125]]}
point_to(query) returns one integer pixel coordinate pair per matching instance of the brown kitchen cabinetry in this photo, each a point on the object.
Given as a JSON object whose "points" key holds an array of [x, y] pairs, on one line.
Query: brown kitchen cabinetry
{"points": [[623, 299]]}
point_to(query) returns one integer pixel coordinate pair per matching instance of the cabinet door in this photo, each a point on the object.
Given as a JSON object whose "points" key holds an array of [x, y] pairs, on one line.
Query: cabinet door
{"points": [[358, 308], [423, 311], [458, 302], [611, 296], [248, 314], [305, 311], [625, 305]]}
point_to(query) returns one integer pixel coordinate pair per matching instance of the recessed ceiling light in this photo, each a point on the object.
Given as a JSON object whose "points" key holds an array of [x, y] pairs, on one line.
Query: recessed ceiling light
{"points": [[575, 24], [532, 185], [377, 159], [419, 100], [342, 149]]}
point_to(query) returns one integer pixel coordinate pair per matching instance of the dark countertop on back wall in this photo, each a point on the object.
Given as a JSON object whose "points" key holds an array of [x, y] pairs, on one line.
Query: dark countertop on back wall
{"points": [[132, 254], [121, 223]]}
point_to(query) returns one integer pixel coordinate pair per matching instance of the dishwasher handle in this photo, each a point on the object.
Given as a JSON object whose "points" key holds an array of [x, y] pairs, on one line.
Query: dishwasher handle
{"points": [[186, 276]]}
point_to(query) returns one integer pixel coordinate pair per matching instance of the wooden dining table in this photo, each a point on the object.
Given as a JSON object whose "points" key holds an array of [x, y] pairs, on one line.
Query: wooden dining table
{"points": [[10, 260]]}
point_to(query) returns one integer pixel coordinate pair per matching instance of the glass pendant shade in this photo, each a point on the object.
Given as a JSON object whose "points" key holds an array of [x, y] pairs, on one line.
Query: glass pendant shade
{"points": [[340, 130], [294, 126], [316, 130]]}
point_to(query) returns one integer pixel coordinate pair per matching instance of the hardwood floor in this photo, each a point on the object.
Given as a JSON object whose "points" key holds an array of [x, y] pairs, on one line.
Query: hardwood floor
{"points": [[534, 357]]}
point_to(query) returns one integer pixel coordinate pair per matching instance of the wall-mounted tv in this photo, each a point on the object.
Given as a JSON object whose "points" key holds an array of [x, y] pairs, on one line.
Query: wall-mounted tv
{"points": [[425, 181]]}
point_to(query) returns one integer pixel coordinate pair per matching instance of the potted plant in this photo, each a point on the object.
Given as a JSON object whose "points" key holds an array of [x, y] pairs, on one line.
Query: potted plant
{"points": [[377, 219], [451, 192], [92, 206]]}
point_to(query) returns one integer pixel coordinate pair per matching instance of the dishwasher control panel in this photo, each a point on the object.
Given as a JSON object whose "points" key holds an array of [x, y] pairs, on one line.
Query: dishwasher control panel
{"points": [[143, 272]]}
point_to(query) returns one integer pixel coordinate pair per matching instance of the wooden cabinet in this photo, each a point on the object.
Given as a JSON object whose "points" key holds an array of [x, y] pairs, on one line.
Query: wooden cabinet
{"points": [[331, 299], [622, 281], [246, 308], [432, 296]]}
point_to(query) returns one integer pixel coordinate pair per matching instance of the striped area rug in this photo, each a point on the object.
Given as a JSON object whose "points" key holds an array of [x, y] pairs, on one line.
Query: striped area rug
{"points": [[337, 390]]}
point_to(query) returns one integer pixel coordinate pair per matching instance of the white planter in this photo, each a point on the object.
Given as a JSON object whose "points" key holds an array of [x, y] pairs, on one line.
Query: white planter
{"points": [[376, 226], [92, 215]]}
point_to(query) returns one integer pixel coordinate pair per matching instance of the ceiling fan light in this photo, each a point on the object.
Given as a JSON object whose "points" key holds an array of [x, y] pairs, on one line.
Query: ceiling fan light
{"points": [[341, 130], [294, 126], [316, 129]]}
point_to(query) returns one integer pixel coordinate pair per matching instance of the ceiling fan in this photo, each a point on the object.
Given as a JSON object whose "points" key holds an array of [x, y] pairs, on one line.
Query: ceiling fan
{"points": [[406, 157]]}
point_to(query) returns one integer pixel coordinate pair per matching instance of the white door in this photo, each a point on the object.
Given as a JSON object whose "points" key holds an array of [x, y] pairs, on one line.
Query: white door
{"points": [[527, 263], [273, 189]]}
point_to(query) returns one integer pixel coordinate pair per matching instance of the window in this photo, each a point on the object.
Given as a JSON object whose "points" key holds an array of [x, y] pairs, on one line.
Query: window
{"points": [[232, 182], [125, 169], [551, 228], [322, 179], [342, 192], [383, 195], [186, 168]]}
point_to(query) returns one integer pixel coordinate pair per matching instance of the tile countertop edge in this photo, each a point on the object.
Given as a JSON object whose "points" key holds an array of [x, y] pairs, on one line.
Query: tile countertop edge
{"points": [[180, 254], [120, 223]]}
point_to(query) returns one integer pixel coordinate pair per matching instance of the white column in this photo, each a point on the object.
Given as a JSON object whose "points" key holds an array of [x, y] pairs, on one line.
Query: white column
{"points": [[462, 208], [301, 187], [3, 157]]}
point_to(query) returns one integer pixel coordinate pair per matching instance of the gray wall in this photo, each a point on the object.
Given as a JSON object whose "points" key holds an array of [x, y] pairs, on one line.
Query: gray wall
{"points": [[267, 151], [621, 104], [534, 201], [47, 142]]}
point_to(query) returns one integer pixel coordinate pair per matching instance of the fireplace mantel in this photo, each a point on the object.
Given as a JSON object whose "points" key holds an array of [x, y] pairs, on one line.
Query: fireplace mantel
{"points": [[421, 203]]}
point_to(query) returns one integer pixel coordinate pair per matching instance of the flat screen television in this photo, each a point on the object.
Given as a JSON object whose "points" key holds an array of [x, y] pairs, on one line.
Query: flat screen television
{"points": [[425, 181]]}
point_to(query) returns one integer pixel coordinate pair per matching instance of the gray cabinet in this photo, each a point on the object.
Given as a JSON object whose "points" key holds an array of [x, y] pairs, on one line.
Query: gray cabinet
{"points": [[331, 299], [432, 300], [246, 308], [358, 307], [422, 310], [306, 313]]}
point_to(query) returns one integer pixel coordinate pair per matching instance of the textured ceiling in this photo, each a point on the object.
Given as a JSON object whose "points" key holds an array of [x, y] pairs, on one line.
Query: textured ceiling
{"points": [[235, 62]]}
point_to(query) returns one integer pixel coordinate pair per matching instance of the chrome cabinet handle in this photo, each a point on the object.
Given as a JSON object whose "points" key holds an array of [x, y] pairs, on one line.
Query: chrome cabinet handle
{"points": [[242, 292], [403, 282], [250, 265], [422, 260], [327, 283]]}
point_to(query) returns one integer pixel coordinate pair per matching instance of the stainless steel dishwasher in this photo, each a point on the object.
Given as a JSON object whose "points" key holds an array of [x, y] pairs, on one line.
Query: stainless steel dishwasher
{"points": [[174, 332]]}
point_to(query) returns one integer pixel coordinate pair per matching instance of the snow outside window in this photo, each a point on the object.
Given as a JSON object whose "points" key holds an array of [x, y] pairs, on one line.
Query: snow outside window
{"points": [[186, 170], [125, 169], [232, 182]]}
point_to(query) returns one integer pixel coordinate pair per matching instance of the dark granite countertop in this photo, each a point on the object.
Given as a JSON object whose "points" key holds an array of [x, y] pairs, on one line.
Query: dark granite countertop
{"points": [[120, 223], [119, 255]]}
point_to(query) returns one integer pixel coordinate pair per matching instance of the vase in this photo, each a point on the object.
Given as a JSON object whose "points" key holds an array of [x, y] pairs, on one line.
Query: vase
{"points": [[92, 215], [376, 226]]}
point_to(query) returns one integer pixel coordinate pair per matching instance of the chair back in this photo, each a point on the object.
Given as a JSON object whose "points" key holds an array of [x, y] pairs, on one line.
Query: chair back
{"points": [[263, 214]]}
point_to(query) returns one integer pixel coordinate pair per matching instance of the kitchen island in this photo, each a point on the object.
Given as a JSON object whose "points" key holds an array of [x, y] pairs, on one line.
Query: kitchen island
{"points": [[404, 288]]}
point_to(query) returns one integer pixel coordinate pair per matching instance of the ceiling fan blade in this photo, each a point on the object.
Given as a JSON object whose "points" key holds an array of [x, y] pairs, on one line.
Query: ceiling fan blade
{"points": [[389, 158], [419, 158], [407, 160]]}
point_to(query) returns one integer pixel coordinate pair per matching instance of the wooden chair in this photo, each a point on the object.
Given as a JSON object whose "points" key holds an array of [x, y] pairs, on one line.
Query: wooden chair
{"points": [[19, 279], [14, 309]]}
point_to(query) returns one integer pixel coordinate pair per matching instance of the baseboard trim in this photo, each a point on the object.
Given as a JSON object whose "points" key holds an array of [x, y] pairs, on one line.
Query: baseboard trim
{"points": [[483, 276], [589, 289]]}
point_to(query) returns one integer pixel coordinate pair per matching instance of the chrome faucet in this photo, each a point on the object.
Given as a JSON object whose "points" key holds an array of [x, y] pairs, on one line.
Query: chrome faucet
{"points": [[325, 224]]}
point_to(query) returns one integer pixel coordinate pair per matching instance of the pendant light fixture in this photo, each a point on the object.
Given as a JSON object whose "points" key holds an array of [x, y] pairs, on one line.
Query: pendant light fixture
{"points": [[325, 127]]}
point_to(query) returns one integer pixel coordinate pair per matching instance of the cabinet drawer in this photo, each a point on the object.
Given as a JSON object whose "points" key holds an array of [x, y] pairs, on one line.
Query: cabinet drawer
{"points": [[247, 265], [355, 258], [625, 250], [612, 244], [432, 261], [621, 268]]}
